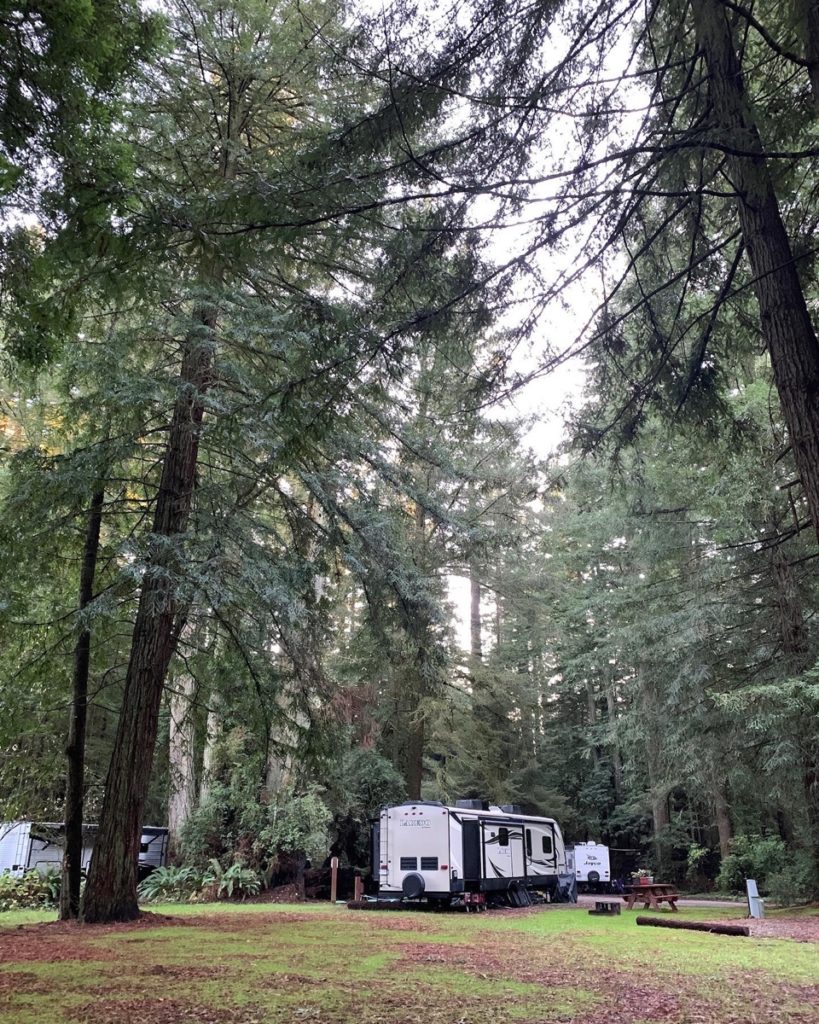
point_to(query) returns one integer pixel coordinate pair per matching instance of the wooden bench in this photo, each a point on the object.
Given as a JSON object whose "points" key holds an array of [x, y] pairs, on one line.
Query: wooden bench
{"points": [[606, 908]]}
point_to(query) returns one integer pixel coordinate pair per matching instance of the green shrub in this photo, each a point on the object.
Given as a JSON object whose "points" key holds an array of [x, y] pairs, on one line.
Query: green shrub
{"points": [[29, 892], [235, 882], [794, 883], [170, 885], [752, 856]]}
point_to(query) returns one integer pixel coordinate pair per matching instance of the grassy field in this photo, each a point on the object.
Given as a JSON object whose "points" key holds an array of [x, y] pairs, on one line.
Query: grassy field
{"points": [[317, 964]]}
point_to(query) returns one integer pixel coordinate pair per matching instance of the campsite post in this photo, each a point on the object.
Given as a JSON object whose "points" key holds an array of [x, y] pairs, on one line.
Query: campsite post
{"points": [[333, 878]]}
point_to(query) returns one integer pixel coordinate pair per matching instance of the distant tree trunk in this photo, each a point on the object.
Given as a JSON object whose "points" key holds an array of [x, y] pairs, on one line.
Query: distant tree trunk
{"points": [[181, 751], [415, 758], [75, 747], [212, 730], [111, 891], [796, 650], [591, 708], [656, 776], [475, 645], [616, 761], [722, 811], [809, 10], [786, 322]]}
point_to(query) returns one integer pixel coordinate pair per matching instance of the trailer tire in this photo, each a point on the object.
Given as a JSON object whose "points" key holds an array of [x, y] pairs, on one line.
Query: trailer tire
{"points": [[594, 877]]}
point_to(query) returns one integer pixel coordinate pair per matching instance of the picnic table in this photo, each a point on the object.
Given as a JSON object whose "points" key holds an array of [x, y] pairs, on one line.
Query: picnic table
{"points": [[651, 895]]}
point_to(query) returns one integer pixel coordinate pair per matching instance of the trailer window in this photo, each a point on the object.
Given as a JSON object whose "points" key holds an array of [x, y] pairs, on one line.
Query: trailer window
{"points": [[503, 836], [529, 843], [409, 863], [547, 844]]}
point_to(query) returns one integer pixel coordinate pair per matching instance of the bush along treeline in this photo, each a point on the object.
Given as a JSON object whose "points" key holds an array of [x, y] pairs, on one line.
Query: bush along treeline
{"points": [[258, 341]]}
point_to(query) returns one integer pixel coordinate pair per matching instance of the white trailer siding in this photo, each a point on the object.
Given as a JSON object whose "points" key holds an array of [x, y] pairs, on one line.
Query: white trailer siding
{"points": [[456, 849], [15, 843], [415, 840], [591, 865], [37, 845]]}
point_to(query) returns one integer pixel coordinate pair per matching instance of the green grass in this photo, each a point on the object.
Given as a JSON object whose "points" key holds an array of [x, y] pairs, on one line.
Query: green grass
{"points": [[267, 964]]}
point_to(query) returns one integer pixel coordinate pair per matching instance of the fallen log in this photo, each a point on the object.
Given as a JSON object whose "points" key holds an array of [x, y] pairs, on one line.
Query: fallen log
{"points": [[695, 926]]}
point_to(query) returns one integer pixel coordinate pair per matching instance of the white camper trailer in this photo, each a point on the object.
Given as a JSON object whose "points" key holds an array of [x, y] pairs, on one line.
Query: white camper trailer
{"points": [[38, 845], [591, 867], [427, 850]]}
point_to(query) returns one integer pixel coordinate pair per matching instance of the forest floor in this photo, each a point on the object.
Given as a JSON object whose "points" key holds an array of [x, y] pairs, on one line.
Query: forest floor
{"points": [[252, 964]]}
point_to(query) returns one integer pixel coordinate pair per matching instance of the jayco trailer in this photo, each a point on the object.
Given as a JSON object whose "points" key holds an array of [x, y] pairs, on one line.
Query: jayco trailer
{"points": [[590, 864], [428, 850], [27, 845]]}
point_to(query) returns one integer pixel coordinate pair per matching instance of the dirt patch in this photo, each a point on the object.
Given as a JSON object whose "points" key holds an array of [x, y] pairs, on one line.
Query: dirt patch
{"points": [[800, 929], [14, 983], [180, 973], [241, 923], [61, 941], [160, 1011]]}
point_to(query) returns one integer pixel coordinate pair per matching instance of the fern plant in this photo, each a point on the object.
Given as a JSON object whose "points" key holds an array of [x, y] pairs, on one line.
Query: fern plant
{"points": [[170, 884], [237, 881]]}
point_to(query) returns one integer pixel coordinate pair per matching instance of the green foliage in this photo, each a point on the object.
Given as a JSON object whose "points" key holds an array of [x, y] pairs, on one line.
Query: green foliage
{"points": [[752, 856], [796, 882], [299, 826], [696, 861], [359, 784], [235, 882], [170, 884], [33, 890]]}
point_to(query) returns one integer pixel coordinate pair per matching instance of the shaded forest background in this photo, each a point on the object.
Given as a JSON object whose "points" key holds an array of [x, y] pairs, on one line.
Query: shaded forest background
{"points": [[273, 280]]}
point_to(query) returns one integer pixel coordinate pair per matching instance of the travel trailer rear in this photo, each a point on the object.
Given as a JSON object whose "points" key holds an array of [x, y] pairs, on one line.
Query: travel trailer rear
{"points": [[428, 850], [591, 867]]}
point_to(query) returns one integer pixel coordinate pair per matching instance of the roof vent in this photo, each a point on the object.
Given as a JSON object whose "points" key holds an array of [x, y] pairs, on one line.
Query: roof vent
{"points": [[511, 808], [472, 805]]}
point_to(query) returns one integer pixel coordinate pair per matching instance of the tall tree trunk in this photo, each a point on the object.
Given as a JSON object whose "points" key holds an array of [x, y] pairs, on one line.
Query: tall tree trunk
{"points": [[796, 650], [591, 709], [111, 892], [75, 747], [415, 756], [212, 731], [181, 759], [786, 322], [475, 645], [658, 786], [809, 16], [722, 811], [616, 760]]}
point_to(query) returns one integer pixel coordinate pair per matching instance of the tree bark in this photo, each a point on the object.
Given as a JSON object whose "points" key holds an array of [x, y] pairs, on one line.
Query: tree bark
{"points": [[212, 730], [796, 651], [616, 760], [809, 11], [475, 645], [111, 892], [75, 747], [181, 760], [786, 323], [723, 815]]}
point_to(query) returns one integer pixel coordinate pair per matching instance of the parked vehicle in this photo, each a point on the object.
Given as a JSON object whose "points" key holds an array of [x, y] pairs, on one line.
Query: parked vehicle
{"points": [[426, 850], [591, 867], [39, 844]]}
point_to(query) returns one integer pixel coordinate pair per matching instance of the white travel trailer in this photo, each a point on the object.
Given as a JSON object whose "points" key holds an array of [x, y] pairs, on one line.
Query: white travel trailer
{"points": [[27, 845], [427, 850], [591, 867]]}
